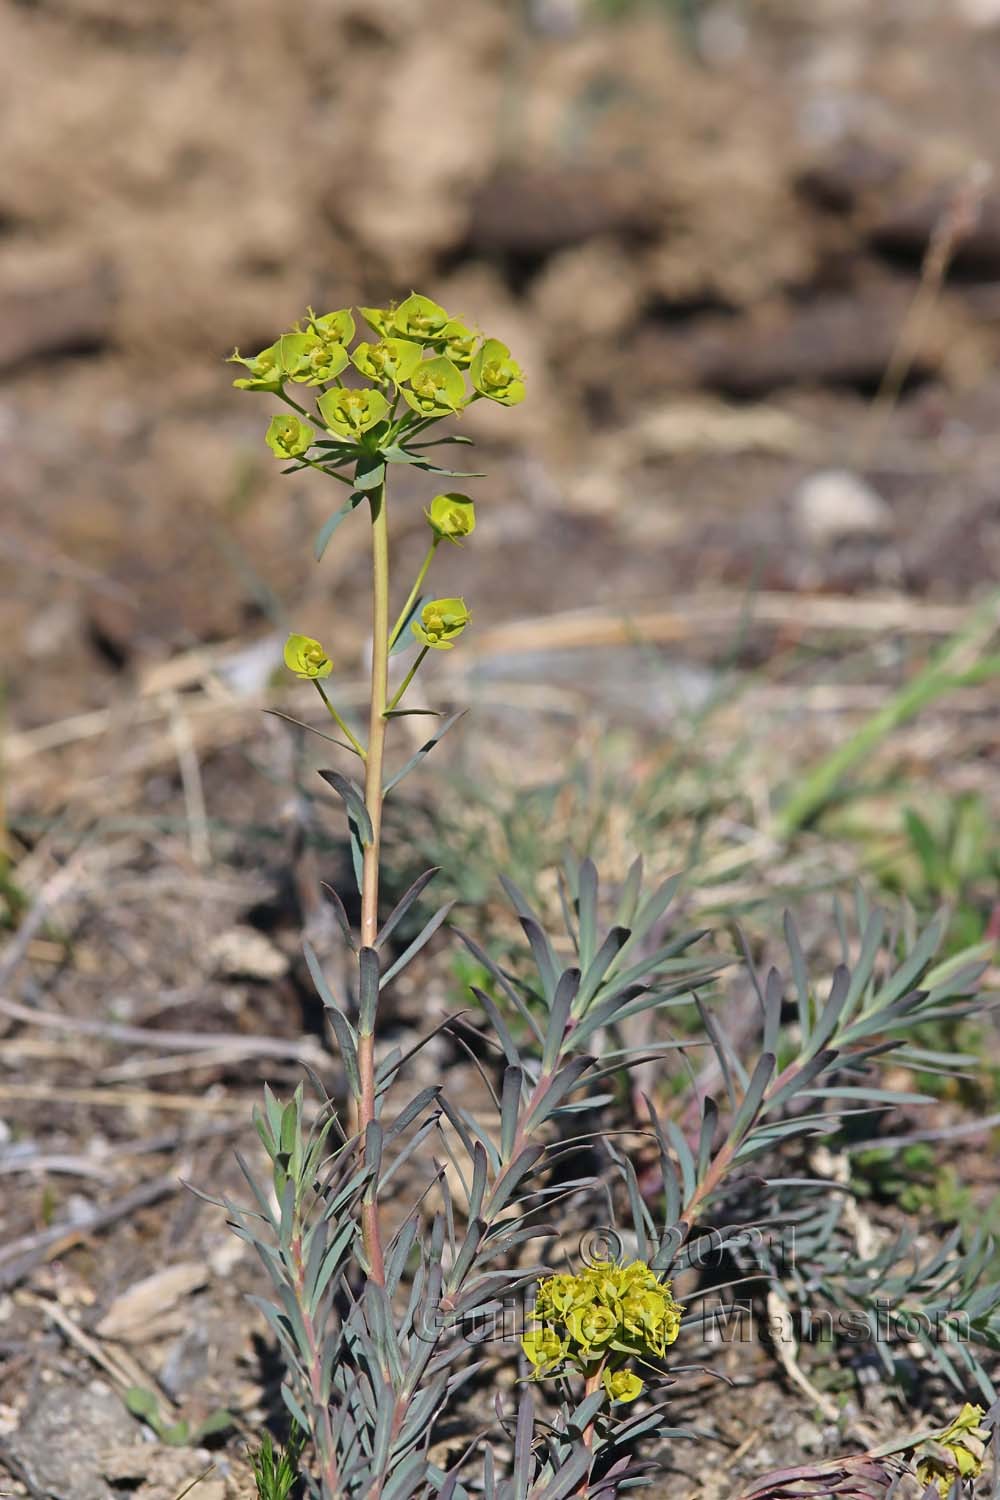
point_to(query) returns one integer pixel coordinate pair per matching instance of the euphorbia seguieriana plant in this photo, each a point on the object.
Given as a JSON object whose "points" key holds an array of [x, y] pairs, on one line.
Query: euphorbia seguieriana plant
{"points": [[373, 1321]]}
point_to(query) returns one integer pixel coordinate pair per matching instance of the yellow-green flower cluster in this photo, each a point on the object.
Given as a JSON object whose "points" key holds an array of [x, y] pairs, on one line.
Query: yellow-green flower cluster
{"points": [[421, 353], [598, 1319], [957, 1452]]}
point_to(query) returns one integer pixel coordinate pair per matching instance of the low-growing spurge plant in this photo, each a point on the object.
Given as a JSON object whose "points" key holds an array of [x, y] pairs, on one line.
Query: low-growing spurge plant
{"points": [[379, 1316]]}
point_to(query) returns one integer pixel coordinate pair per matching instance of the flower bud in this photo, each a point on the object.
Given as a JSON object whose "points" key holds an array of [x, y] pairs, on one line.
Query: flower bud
{"points": [[441, 621], [496, 376], [389, 359], [289, 437], [349, 413], [436, 388], [451, 517], [306, 657]]}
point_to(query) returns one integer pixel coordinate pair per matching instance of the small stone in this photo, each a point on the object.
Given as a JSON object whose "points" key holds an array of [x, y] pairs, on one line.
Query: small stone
{"points": [[808, 1438], [835, 504], [64, 1438], [246, 953]]}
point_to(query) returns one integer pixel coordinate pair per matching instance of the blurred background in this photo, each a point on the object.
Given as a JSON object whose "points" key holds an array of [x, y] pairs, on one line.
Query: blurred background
{"points": [[733, 576]]}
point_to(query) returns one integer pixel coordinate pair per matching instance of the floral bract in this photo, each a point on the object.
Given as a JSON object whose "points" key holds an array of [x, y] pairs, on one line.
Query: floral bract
{"points": [[452, 517], [350, 413], [441, 621], [389, 359], [306, 657], [421, 319], [436, 388], [289, 437], [496, 376]]}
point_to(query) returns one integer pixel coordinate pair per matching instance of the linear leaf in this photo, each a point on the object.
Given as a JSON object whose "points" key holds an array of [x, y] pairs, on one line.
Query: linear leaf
{"points": [[562, 1002], [353, 799], [404, 903], [587, 896], [368, 988], [424, 750], [759, 1081], [323, 539], [510, 1108], [564, 1082], [422, 938]]}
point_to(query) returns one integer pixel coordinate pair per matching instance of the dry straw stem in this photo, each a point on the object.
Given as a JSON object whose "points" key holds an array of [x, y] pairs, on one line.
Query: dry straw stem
{"points": [[955, 224]]}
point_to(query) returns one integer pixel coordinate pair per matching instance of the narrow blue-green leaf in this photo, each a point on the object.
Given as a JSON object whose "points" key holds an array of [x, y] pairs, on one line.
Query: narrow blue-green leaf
{"points": [[628, 900], [399, 1255], [410, 1111], [331, 739], [342, 1028], [406, 1479], [512, 1177], [504, 981], [799, 974], [357, 848], [564, 1082], [709, 1121], [870, 943], [774, 989], [651, 910], [479, 1180], [685, 1160], [510, 1108], [374, 1141], [571, 1476], [544, 956], [586, 901], [759, 1081], [368, 988], [830, 1014], [599, 966], [420, 941], [523, 1435], [562, 1002], [799, 1081], [424, 750], [404, 904], [719, 1047], [353, 799], [908, 972], [499, 1025], [340, 913], [323, 539]]}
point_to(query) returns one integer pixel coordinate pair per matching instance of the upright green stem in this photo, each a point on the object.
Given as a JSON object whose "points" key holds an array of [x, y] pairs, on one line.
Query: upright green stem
{"points": [[370, 1229]]}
